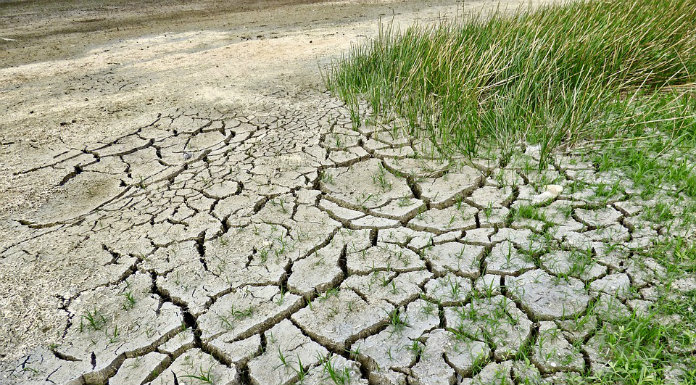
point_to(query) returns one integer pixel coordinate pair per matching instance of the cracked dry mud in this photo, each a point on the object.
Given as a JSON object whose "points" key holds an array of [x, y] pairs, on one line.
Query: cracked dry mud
{"points": [[265, 247], [257, 249]]}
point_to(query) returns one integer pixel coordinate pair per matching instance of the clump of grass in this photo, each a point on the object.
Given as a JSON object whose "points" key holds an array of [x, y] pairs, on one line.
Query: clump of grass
{"points": [[560, 75], [530, 212], [643, 347]]}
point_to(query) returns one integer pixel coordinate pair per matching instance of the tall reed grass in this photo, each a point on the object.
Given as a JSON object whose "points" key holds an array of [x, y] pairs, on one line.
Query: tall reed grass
{"points": [[558, 75]]}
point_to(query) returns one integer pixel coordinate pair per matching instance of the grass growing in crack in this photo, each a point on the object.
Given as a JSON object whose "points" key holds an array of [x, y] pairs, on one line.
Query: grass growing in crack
{"points": [[577, 265], [654, 162], [31, 370], [636, 353], [611, 73], [337, 376], [281, 203], [429, 308], [488, 211], [301, 370], [333, 292], [644, 347], [204, 376], [397, 321], [415, 347], [404, 201], [235, 315], [660, 213], [95, 320], [381, 180], [326, 177], [263, 254], [281, 297], [606, 191], [283, 360], [129, 301], [454, 287], [114, 336], [530, 212]]}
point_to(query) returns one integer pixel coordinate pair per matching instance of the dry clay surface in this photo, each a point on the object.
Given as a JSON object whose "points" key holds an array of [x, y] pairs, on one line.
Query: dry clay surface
{"points": [[256, 236]]}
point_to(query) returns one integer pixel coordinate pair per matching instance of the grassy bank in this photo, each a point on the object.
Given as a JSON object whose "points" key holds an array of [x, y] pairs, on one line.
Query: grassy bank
{"points": [[581, 73]]}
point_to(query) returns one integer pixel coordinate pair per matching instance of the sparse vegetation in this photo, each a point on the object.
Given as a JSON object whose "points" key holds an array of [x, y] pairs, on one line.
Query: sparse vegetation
{"points": [[95, 320], [336, 375], [203, 375]]}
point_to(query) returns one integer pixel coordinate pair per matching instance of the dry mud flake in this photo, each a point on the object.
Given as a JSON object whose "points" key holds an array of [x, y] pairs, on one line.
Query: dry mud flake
{"points": [[547, 297], [341, 317]]}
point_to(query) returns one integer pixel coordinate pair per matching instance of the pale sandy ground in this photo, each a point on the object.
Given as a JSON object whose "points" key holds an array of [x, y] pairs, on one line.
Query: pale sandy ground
{"points": [[95, 94], [76, 73]]}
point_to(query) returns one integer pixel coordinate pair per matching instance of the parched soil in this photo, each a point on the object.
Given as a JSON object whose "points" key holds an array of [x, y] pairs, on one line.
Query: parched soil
{"points": [[181, 199]]}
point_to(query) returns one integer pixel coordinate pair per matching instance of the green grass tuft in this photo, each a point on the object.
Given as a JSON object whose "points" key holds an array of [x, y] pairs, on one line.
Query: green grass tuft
{"points": [[603, 72]]}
